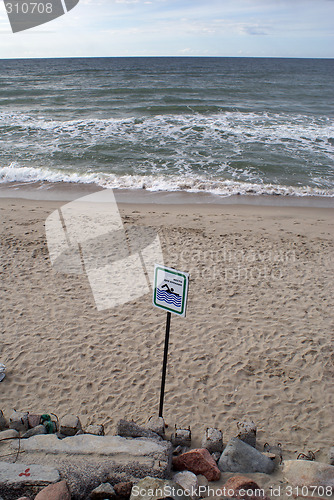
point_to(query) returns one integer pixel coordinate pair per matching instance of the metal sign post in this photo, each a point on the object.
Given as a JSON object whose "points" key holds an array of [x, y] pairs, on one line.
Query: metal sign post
{"points": [[170, 293], [164, 365]]}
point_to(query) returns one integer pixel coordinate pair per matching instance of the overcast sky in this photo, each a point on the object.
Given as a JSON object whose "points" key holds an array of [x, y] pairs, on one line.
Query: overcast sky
{"points": [[261, 28]]}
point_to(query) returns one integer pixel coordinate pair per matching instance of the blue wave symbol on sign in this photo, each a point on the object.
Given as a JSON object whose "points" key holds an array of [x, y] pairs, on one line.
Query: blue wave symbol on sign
{"points": [[169, 298]]}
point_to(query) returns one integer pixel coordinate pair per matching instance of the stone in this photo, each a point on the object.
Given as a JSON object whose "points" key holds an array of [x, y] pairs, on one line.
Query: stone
{"points": [[35, 431], [3, 422], [198, 461], [70, 425], [244, 488], [123, 490], [9, 434], [203, 484], [213, 440], [19, 421], [57, 491], [242, 457], [131, 429], [96, 430], [236, 483], [331, 456], [247, 432], [157, 425], [180, 449], [34, 420], [103, 492], [181, 437], [307, 473], [216, 456], [151, 488], [22, 478], [188, 481]]}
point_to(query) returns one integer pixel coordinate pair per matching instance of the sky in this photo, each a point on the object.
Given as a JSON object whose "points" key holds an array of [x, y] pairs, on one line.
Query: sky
{"points": [[237, 28]]}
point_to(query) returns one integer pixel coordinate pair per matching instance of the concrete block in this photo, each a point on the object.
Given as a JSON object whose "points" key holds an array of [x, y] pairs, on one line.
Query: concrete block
{"points": [[85, 461], [70, 425], [24, 479], [97, 430], [247, 432], [9, 434], [181, 437], [3, 422], [35, 431], [19, 421], [213, 440], [126, 428], [157, 425]]}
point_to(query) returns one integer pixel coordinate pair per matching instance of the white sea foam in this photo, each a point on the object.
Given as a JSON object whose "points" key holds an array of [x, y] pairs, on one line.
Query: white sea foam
{"points": [[227, 187]]}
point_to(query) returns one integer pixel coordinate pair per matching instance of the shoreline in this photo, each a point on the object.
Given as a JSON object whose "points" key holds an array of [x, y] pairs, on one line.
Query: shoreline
{"points": [[62, 191]]}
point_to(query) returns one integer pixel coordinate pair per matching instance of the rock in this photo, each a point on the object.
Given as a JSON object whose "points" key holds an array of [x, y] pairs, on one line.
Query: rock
{"points": [[2, 372], [34, 420], [151, 488], [9, 434], [103, 492], [213, 440], [198, 461], [19, 421], [181, 437], [3, 422], [216, 456], [241, 457], [35, 431], [157, 425], [203, 484], [123, 490], [331, 455], [22, 479], [23, 498], [180, 449], [188, 481], [244, 488], [130, 429], [236, 483], [307, 473], [70, 425], [96, 430], [57, 491], [247, 432]]}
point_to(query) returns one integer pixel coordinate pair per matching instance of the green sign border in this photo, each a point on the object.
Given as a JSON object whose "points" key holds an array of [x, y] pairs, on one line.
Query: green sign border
{"points": [[185, 289]]}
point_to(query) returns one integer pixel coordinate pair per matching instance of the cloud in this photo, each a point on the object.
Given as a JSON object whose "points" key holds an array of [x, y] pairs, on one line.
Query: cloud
{"points": [[171, 27], [255, 30]]}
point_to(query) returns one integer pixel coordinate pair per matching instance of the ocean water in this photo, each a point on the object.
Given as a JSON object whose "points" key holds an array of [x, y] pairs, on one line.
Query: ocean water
{"points": [[220, 125]]}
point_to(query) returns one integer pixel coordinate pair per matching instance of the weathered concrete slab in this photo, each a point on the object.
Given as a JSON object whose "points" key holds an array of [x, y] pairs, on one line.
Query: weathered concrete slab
{"points": [[86, 444], [86, 460], [19, 478]]}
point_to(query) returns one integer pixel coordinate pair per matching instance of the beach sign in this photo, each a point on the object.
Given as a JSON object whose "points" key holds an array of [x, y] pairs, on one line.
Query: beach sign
{"points": [[170, 290], [170, 293]]}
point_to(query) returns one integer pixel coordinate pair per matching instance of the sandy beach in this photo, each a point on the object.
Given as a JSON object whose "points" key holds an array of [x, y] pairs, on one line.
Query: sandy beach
{"points": [[257, 341]]}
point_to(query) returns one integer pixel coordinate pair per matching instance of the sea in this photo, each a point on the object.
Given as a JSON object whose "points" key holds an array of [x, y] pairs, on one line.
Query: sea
{"points": [[225, 126]]}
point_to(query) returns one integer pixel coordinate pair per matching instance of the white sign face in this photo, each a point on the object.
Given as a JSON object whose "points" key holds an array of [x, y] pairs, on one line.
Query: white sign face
{"points": [[170, 289]]}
